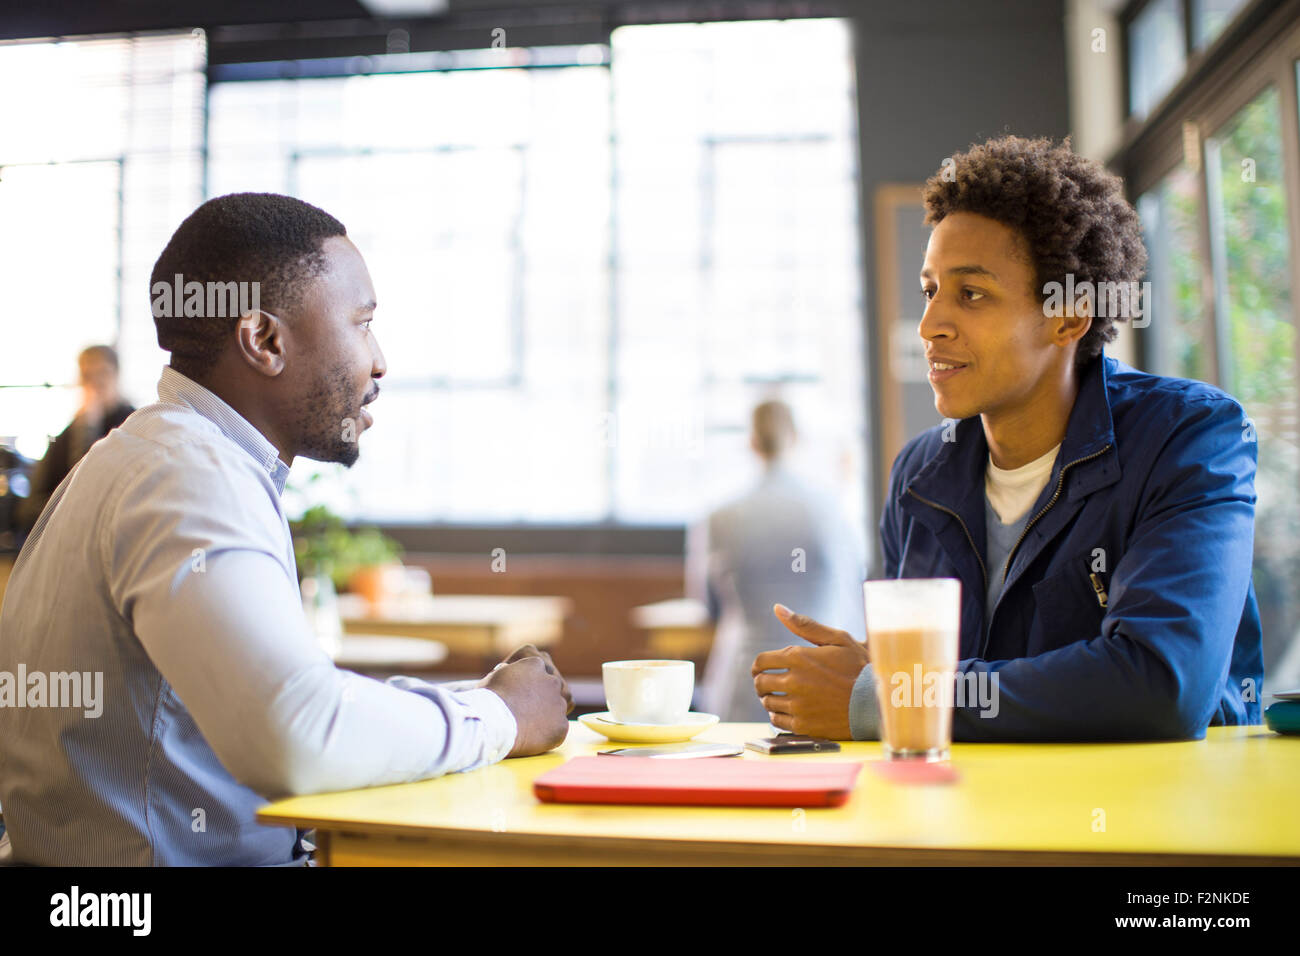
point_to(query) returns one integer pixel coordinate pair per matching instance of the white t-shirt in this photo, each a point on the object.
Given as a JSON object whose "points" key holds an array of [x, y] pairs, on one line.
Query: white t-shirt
{"points": [[1012, 492]]}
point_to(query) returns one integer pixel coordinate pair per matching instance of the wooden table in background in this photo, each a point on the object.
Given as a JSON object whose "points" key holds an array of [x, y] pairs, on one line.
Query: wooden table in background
{"points": [[1228, 799], [678, 628], [489, 626], [383, 654]]}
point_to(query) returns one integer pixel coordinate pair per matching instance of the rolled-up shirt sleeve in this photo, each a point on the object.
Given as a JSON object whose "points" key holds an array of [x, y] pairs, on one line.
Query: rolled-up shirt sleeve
{"points": [[201, 569]]}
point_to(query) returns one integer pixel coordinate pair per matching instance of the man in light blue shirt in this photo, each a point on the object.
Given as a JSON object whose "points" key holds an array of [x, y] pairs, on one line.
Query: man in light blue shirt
{"points": [[159, 584]]}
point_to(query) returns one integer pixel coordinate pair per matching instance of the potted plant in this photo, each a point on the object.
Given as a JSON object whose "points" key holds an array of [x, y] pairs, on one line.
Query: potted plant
{"points": [[333, 558]]}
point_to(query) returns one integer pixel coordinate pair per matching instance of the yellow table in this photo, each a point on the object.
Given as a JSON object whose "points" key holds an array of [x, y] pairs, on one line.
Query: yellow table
{"points": [[1230, 798]]}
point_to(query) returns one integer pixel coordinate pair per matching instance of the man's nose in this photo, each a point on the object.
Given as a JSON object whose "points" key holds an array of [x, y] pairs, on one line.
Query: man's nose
{"points": [[934, 322], [378, 367]]}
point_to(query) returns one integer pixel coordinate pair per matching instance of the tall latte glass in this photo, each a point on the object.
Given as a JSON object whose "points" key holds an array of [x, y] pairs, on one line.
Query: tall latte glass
{"points": [[913, 626]]}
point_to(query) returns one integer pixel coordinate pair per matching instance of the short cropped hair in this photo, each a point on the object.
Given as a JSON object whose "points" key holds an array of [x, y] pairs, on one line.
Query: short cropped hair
{"points": [[773, 428], [105, 353], [266, 238], [1070, 210]]}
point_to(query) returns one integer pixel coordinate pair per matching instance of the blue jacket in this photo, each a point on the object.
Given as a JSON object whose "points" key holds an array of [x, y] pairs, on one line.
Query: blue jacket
{"points": [[1153, 493]]}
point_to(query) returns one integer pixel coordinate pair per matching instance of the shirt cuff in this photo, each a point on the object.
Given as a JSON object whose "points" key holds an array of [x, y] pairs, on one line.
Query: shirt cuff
{"points": [[499, 727], [864, 709]]}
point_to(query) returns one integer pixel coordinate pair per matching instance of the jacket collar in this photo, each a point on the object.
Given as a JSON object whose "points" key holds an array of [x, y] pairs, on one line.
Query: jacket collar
{"points": [[954, 477]]}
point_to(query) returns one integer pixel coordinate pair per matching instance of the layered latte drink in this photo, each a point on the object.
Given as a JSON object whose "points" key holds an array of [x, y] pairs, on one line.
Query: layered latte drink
{"points": [[913, 626]]}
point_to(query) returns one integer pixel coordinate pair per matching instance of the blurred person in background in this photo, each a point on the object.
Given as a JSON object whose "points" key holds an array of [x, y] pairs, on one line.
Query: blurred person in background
{"points": [[786, 540], [102, 409]]}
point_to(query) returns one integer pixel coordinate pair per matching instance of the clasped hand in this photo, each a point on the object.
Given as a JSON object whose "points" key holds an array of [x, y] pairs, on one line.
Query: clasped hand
{"points": [[538, 697]]}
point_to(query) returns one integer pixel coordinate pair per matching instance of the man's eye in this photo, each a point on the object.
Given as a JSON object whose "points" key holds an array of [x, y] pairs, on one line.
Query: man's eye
{"points": [[972, 292], [927, 294], [366, 324]]}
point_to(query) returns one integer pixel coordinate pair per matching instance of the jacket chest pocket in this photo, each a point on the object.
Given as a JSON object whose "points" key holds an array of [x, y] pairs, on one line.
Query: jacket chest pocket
{"points": [[1068, 606]]}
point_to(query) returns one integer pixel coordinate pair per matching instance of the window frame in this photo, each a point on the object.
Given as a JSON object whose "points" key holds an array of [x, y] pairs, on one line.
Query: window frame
{"points": [[1208, 97], [1197, 62]]}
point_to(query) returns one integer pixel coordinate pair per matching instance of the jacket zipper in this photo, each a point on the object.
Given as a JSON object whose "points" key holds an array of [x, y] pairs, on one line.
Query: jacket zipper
{"points": [[983, 571], [1060, 483], [1099, 588]]}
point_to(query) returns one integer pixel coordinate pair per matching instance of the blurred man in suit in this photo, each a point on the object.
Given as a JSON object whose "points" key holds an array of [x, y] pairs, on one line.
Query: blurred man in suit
{"points": [[102, 409], [785, 540]]}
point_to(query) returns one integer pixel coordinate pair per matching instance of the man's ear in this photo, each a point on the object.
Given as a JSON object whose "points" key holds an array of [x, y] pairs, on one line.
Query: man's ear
{"points": [[261, 341], [1074, 323]]}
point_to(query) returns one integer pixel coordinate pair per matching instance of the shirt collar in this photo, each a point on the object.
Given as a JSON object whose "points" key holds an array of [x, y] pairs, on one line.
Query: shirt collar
{"points": [[1029, 472], [178, 389]]}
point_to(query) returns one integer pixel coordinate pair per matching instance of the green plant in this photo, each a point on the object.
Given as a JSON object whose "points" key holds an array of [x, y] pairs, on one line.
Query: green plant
{"points": [[323, 544]]}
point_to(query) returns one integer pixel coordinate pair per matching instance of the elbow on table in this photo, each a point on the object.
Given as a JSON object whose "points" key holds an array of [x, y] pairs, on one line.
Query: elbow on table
{"points": [[1180, 715], [1173, 724], [1177, 697]]}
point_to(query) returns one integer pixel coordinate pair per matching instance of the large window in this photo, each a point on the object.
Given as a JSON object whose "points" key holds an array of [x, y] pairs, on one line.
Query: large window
{"points": [[587, 273], [1210, 18], [736, 255], [480, 200], [1157, 54], [100, 159], [1251, 257], [1160, 33], [591, 262], [1171, 223]]}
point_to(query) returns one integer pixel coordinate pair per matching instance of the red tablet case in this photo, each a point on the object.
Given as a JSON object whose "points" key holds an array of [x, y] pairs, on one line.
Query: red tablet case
{"points": [[709, 781]]}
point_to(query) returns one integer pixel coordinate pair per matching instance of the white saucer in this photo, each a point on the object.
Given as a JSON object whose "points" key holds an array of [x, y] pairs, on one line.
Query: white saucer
{"points": [[689, 726]]}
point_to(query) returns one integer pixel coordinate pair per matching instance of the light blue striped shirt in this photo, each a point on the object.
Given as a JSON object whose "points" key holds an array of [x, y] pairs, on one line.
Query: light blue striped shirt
{"points": [[163, 569]]}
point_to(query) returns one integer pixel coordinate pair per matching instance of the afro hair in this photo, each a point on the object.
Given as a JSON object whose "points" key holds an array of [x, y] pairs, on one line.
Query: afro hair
{"points": [[1070, 210]]}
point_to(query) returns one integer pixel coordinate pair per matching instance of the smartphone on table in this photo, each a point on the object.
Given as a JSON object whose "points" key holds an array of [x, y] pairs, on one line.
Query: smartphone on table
{"points": [[793, 744]]}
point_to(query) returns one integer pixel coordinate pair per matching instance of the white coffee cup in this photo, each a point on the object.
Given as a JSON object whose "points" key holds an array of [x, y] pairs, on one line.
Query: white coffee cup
{"points": [[648, 692]]}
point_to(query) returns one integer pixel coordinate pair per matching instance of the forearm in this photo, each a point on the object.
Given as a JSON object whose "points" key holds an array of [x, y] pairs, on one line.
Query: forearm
{"points": [[347, 731], [1108, 688], [274, 708]]}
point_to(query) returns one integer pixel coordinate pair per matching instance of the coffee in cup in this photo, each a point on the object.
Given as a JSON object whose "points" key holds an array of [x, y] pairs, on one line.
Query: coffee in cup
{"points": [[648, 692]]}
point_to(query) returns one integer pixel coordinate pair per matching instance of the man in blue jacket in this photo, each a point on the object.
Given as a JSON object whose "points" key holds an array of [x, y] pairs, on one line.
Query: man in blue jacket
{"points": [[1100, 519]]}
